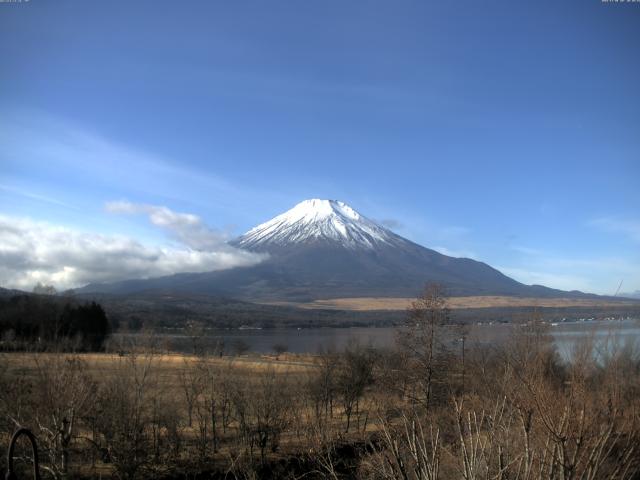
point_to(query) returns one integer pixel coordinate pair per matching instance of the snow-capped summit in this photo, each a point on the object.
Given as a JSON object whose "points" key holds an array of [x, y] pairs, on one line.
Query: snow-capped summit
{"points": [[317, 220]]}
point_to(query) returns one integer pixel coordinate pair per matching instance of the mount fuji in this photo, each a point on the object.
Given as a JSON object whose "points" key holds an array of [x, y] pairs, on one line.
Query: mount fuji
{"points": [[324, 249]]}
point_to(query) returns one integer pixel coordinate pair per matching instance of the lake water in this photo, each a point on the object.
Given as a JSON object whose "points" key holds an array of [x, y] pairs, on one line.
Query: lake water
{"points": [[313, 340], [606, 335]]}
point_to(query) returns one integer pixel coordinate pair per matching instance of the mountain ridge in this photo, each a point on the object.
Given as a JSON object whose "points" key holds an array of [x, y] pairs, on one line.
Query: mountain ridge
{"points": [[323, 249]]}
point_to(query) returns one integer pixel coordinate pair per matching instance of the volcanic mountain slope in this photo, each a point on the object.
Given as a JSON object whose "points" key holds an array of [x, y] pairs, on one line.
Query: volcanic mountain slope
{"points": [[325, 249]]}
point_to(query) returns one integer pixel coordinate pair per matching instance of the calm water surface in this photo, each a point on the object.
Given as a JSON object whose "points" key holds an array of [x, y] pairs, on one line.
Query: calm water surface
{"points": [[312, 340]]}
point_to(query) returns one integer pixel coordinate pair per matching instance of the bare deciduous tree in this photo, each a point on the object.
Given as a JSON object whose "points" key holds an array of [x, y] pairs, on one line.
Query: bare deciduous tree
{"points": [[63, 395], [262, 411], [191, 385], [423, 340], [125, 414], [354, 374]]}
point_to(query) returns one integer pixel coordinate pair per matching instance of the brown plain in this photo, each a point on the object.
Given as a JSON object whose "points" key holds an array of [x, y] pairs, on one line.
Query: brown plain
{"points": [[398, 303]]}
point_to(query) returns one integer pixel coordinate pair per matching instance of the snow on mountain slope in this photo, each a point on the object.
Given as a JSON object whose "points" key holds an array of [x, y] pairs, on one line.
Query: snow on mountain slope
{"points": [[318, 220]]}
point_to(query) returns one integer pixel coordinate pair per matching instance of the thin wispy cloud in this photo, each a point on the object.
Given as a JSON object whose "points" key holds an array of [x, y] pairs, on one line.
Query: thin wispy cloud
{"points": [[629, 228], [561, 281], [86, 163], [186, 228], [35, 196], [567, 272], [526, 250], [455, 253], [391, 223], [454, 231], [550, 259]]}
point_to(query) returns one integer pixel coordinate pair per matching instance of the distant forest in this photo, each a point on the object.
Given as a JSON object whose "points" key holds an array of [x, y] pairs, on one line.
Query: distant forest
{"points": [[84, 322], [43, 319]]}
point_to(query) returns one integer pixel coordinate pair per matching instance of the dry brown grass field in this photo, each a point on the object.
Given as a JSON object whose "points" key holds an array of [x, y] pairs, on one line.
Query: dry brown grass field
{"points": [[382, 303], [168, 365]]}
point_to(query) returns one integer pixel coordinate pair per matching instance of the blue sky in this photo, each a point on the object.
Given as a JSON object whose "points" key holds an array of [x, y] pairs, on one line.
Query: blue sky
{"points": [[505, 131]]}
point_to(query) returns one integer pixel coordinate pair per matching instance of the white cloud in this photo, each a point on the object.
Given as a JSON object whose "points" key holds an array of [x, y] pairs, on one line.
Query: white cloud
{"points": [[186, 228], [32, 252]]}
